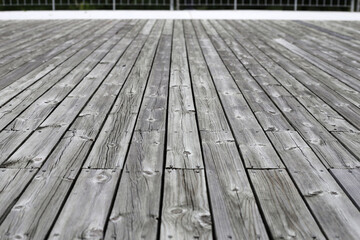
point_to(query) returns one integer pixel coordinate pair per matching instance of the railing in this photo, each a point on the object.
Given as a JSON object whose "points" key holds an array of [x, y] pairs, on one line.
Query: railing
{"points": [[55, 4], [186, 4], [289, 4]]}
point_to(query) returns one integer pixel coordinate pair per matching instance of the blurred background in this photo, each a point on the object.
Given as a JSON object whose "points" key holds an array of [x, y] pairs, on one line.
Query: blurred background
{"points": [[318, 5]]}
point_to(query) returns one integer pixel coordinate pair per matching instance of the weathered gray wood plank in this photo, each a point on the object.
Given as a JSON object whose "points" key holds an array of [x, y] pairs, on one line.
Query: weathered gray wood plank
{"points": [[10, 62], [284, 74], [254, 145], [311, 130], [234, 208], [301, 65], [112, 143], [314, 49], [76, 219], [22, 83], [136, 214], [185, 212], [335, 213], [53, 88], [136, 210], [349, 179], [342, 76], [63, 165], [285, 211], [36, 62], [183, 145], [265, 111], [33, 117], [10, 49], [229, 188], [12, 183], [144, 129]]}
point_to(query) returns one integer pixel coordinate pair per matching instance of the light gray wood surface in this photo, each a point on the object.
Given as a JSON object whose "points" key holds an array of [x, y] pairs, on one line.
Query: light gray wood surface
{"points": [[179, 129]]}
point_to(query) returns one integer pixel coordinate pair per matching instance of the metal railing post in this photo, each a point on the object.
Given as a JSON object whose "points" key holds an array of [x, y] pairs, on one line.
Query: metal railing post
{"points": [[53, 5], [352, 6], [295, 5], [171, 5], [235, 4], [114, 4]]}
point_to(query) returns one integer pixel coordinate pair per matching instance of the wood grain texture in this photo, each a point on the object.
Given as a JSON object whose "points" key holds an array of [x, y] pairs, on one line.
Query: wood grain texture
{"points": [[63, 165], [235, 211], [257, 148], [332, 208], [12, 183], [183, 145], [81, 218], [111, 145], [186, 212], [54, 126], [31, 118], [136, 214], [285, 211], [179, 129], [304, 87], [349, 179], [229, 188]]}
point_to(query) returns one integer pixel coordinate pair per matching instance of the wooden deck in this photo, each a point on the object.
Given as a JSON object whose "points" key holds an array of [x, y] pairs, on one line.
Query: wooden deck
{"points": [[170, 129]]}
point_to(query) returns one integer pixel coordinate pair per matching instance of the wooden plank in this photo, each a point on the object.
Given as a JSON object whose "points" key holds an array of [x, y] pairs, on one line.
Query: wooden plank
{"points": [[76, 219], [342, 76], [12, 184], [13, 60], [54, 87], [207, 103], [334, 211], [332, 153], [313, 132], [254, 145], [350, 31], [16, 27], [26, 38], [313, 49], [153, 114], [283, 70], [293, 59], [35, 115], [36, 209], [319, 37], [285, 211], [231, 196], [53, 64], [37, 61], [183, 144], [214, 74], [265, 111], [234, 208], [136, 210], [19, 38], [136, 214], [325, 30], [54, 126], [112, 143], [349, 179], [12, 52], [351, 140], [185, 212], [48, 191]]}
